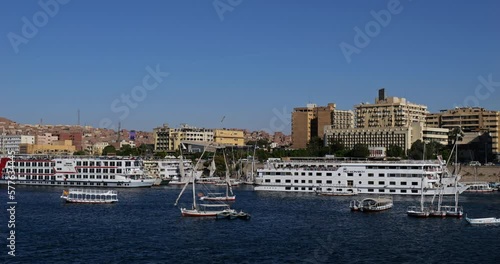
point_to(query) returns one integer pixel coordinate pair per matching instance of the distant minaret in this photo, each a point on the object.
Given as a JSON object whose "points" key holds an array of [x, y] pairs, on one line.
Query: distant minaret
{"points": [[78, 117]]}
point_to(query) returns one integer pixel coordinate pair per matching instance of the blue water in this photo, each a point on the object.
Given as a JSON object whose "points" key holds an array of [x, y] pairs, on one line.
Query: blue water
{"points": [[145, 227]]}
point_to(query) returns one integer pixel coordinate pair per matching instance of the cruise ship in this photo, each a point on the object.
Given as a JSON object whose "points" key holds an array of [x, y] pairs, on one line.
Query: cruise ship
{"points": [[74, 171], [328, 175]]}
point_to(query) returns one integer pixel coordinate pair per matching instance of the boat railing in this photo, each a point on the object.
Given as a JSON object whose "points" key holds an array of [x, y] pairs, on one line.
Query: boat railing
{"points": [[363, 161], [93, 191]]}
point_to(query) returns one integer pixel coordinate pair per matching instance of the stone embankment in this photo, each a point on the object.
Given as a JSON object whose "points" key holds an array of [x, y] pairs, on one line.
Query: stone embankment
{"points": [[480, 173]]}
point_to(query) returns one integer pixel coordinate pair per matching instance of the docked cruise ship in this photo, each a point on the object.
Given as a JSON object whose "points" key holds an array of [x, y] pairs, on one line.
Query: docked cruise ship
{"points": [[327, 175], [74, 171]]}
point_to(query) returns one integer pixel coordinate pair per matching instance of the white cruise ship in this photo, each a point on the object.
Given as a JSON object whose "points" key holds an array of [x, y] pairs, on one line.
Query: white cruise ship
{"points": [[364, 177], [74, 171]]}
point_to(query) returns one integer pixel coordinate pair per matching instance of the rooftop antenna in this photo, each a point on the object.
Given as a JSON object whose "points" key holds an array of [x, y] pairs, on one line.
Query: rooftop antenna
{"points": [[118, 133], [78, 117]]}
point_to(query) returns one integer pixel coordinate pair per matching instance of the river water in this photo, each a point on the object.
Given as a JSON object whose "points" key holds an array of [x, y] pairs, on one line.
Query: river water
{"points": [[145, 227]]}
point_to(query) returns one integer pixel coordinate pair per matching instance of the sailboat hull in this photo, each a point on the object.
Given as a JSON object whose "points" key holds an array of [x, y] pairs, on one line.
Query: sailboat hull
{"points": [[225, 198], [198, 213]]}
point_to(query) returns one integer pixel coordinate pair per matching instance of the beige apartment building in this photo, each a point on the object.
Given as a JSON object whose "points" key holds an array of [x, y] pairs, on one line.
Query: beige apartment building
{"points": [[65, 147], [376, 137], [229, 137], [310, 121], [389, 112], [470, 119], [170, 139]]}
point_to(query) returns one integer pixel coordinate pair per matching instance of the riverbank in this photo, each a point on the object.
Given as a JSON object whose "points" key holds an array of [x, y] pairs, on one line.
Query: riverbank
{"points": [[482, 173]]}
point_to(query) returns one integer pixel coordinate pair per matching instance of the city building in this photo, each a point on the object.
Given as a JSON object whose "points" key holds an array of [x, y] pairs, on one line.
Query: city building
{"points": [[65, 147], [161, 138], [45, 139], [169, 139], [188, 133], [98, 147], [419, 131], [11, 143], [343, 119], [372, 137], [383, 137], [389, 112], [470, 119], [229, 137], [75, 137], [310, 121]]}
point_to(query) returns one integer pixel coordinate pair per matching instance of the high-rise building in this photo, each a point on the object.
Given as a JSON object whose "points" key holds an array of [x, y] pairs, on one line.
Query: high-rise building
{"points": [[389, 112], [343, 119], [470, 119], [309, 122]]}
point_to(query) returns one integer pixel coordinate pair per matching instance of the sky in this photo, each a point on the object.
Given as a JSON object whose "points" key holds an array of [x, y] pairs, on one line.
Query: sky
{"points": [[239, 63]]}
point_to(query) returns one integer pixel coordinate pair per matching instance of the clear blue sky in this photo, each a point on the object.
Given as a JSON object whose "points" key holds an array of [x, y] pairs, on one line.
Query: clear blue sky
{"points": [[261, 59]]}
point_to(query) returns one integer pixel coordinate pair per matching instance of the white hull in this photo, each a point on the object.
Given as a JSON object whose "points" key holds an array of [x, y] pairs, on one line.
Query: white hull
{"points": [[360, 190], [483, 221], [98, 172], [93, 184], [367, 177]]}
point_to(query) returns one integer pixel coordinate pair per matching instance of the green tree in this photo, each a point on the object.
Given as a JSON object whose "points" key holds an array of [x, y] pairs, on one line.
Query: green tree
{"points": [[337, 148], [160, 154], [359, 151], [395, 151], [79, 153], [416, 150], [109, 150], [316, 147]]}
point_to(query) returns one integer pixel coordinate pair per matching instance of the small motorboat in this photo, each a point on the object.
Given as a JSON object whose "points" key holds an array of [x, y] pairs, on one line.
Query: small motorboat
{"points": [[483, 221], [233, 215]]}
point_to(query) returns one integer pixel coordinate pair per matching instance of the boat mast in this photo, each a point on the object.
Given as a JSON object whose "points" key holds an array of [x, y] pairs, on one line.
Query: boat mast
{"points": [[253, 162], [193, 178], [422, 194], [456, 172], [228, 183]]}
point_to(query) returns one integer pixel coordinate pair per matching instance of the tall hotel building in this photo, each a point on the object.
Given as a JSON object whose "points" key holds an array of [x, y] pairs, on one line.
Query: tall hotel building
{"points": [[310, 121], [389, 112], [470, 120], [389, 121]]}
